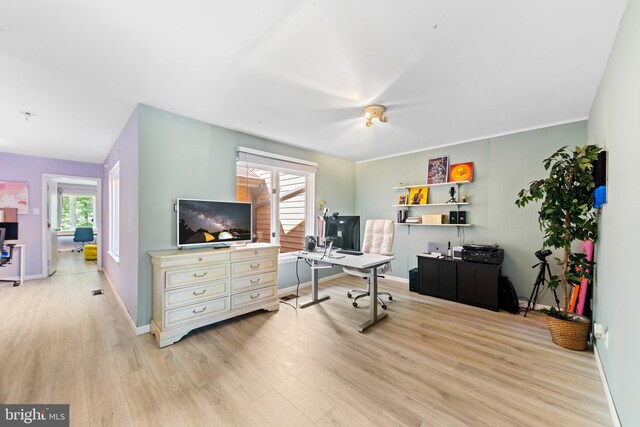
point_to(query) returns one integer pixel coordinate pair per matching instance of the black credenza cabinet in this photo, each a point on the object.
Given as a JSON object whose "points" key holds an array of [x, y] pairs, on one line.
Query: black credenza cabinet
{"points": [[462, 281]]}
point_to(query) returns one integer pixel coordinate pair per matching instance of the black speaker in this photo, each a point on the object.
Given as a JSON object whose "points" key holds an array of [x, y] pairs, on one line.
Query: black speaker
{"points": [[600, 170], [462, 217], [309, 243], [453, 217]]}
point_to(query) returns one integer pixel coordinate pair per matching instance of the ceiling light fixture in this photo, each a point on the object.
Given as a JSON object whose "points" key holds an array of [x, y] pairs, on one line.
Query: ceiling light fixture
{"points": [[373, 111]]}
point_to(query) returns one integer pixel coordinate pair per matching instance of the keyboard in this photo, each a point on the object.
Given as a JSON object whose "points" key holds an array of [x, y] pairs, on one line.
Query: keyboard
{"points": [[348, 252]]}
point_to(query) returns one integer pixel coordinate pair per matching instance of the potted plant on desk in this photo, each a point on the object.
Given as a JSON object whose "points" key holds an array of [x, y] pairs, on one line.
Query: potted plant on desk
{"points": [[565, 216]]}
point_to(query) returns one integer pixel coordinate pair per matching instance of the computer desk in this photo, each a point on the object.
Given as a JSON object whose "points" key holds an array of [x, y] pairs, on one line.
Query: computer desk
{"points": [[365, 261], [21, 269]]}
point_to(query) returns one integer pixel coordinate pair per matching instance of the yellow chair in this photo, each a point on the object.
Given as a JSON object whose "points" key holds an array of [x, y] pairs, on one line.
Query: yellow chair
{"points": [[90, 252]]}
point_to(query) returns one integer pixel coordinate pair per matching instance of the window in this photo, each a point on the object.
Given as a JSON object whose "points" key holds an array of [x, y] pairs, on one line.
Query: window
{"points": [[282, 193], [114, 212], [77, 211]]}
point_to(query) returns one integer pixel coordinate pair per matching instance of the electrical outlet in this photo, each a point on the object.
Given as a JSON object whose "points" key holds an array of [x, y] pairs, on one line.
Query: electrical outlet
{"points": [[606, 340], [598, 331]]}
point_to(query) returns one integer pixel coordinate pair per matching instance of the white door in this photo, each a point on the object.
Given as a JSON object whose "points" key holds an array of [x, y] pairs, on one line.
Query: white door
{"points": [[52, 225]]}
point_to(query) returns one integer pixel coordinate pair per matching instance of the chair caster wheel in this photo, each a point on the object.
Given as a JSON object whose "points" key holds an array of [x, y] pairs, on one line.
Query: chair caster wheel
{"points": [[348, 294], [355, 304], [390, 298], [384, 307]]}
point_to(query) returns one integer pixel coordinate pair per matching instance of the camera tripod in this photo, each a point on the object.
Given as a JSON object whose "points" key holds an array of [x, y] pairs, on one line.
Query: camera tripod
{"points": [[540, 281]]}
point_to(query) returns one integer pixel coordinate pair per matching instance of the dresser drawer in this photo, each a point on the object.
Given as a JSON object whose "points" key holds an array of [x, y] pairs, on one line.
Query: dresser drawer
{"points": [[197, 275], [196, 258], [195, 312], [253, 282], [192, 294], [253, 297], [246, 254], [244, 268]]}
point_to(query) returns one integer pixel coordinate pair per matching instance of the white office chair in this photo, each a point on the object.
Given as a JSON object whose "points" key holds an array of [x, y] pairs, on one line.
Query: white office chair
{"points": [[378, 239]]}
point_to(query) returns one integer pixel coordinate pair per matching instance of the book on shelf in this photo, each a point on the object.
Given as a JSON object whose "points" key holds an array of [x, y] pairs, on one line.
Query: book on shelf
{"points": [[412, 220]]}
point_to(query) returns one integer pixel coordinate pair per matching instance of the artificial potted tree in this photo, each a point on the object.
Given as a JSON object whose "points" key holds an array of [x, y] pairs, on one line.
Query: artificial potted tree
{"points": [[565, 216]]}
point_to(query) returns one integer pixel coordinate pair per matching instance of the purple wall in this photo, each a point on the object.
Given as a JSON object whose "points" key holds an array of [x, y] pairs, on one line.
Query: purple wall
{"points": [[124, 274], [16, 167]]}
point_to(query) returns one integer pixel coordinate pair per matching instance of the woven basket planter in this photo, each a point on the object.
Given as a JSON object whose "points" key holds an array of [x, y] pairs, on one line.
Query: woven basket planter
{"points": [[571, 334]]}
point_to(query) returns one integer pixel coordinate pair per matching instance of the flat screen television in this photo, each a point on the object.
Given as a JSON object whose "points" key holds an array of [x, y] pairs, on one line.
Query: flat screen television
{"points": [[212, 223], [344, 231]]}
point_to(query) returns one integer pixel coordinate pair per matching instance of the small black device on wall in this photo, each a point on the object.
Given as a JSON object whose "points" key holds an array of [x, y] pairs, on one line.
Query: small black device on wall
{"points": [[453, 217], [462, 217]]}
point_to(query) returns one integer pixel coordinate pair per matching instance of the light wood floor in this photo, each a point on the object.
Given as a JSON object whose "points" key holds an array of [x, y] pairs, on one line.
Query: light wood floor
{"points": [[430, 363]]}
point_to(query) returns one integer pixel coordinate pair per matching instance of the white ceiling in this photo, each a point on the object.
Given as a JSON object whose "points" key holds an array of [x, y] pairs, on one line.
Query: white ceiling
{"points": [[298, 71]]}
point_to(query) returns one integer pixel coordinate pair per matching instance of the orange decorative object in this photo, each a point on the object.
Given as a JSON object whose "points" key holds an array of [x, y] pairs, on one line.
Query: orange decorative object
{"points": [[461, 172]]}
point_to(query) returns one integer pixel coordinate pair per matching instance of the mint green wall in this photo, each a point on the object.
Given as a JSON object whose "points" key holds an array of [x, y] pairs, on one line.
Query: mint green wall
{"points": [[502, 167], [614, 124], [182, 157]]}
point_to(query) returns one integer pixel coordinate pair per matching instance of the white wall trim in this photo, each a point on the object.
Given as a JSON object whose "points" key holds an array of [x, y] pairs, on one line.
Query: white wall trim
{"points": [[138, 330], [396, 278], [494, 135], [292, 289], [44, 209], [612, 407], [241, 149], [31, 277]]}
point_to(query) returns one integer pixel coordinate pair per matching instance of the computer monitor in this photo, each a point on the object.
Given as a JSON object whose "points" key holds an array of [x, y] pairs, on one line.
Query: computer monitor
{"points": [[344, 231], [11, 230]]}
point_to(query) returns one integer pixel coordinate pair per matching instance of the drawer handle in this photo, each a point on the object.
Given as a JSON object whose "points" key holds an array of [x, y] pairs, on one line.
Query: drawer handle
{"points": [[200, 259], [255, 281], [198, 311], [200, 275], [255, 266], [257, 296], [199, 293], [255, 252]]}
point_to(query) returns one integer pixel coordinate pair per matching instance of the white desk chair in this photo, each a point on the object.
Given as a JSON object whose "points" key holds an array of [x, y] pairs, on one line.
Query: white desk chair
{"points": [[378, 239]]}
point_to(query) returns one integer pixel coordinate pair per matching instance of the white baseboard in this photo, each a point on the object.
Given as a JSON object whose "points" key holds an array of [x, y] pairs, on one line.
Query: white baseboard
{"points": [[138, 330], [396, 278], [141, 330], [523, 305], [292, 289], [31, 277], [612, 407]]}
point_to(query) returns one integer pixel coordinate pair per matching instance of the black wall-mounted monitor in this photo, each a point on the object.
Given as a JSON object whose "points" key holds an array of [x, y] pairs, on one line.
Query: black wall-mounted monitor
{"points": [[11, 230], [345, 232]]}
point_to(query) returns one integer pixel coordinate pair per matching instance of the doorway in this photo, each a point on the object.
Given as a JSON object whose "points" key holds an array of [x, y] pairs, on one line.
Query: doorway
{"points": [[70, 203]]}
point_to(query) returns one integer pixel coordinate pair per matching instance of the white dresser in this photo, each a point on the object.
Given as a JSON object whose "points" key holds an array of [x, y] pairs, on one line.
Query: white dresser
{"points": [[194, 288]]}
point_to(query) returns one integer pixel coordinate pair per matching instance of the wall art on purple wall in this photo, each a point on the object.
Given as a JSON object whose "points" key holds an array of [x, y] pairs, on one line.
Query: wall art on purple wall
{"points": [[15, 195]]}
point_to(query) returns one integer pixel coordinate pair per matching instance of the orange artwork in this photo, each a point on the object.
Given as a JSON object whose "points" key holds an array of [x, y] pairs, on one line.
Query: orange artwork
{"points": [[461, 172]]}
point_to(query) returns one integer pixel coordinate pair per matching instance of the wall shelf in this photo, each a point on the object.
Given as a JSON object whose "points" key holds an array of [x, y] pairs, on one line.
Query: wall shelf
{"points": [[430, 204], [434, 225], [406, 187]]}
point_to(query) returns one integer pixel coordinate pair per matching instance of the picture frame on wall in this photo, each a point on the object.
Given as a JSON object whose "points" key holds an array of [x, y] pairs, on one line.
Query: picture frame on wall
{"points": [[461, 172], [418, 196], [438, 170]]}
